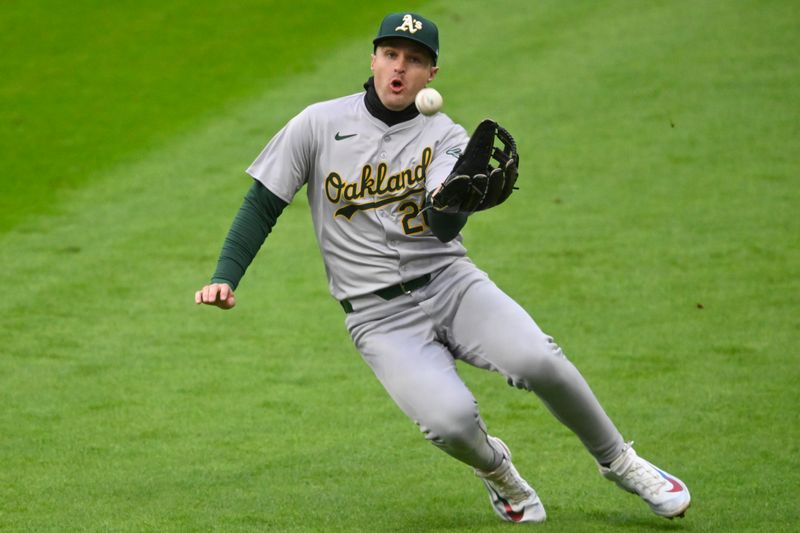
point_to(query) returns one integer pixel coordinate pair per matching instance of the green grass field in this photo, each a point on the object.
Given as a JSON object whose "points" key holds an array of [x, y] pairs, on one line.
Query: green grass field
{"points": [[652, 235]]}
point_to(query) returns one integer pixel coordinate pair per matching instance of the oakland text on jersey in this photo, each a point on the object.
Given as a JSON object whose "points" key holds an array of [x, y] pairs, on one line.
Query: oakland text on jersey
{"points": [[375, 183]]}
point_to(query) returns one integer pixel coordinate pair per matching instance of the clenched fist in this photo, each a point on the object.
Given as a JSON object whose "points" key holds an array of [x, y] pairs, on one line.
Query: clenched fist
{"points": [[217, 294]]}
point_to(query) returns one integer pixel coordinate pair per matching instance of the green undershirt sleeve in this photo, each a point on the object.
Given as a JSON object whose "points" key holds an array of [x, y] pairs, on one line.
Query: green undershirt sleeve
{"points": [[445, 226], [254, 221]]}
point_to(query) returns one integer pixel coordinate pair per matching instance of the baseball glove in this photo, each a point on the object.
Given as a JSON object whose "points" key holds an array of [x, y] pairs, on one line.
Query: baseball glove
{"points": [[475, 184]]}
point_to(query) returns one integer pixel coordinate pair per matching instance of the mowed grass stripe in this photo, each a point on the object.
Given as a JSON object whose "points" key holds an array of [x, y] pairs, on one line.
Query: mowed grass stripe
{"points": [[104, 360], [660, 150], [89, 86], [127, 408]]}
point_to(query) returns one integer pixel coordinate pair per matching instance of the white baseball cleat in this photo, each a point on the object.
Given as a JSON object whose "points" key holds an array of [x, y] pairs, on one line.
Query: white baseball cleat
{"points": [[511, 496], [666, 495]]}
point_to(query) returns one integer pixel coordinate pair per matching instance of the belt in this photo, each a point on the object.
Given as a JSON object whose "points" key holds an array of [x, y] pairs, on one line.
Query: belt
{"points": [[394, 291]]}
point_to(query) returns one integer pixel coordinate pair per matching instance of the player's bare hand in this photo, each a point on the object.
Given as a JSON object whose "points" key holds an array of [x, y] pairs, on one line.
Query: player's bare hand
{"points": [[217, 294]]}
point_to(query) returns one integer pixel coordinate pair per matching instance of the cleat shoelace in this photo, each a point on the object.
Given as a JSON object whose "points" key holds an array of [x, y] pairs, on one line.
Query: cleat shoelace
{"points": [[644, 479], [508, 485]]}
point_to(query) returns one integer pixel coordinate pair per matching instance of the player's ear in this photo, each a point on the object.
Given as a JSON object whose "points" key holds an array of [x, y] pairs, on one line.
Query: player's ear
{"points": [[372, 63], [432, 75]]}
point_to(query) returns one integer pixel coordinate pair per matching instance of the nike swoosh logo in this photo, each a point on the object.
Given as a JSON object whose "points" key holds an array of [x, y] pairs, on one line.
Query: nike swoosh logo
{"points": [[676, 487], [339, 137], [515, 516]]}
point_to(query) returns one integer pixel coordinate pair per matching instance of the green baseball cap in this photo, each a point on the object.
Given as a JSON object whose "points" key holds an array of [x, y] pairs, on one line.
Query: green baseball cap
{"points": [[410, 26]]}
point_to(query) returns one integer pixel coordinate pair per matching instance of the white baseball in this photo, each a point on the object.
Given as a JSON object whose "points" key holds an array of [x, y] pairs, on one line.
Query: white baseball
{"points": [[429, 101]]}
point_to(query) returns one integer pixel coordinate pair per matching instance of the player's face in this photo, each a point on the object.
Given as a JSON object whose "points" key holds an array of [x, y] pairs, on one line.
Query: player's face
{"points": [[401, 68]]}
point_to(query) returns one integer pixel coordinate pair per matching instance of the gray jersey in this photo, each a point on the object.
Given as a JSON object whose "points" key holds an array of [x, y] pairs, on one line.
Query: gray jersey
{"points": [[366, 185]]}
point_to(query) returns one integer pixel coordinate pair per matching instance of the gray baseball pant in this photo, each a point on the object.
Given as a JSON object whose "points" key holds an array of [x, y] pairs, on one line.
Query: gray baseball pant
{"points": [[411, 342]]}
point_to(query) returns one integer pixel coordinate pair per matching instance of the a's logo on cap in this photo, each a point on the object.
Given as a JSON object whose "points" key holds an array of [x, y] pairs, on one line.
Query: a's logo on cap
{"points": [[409, 24]]}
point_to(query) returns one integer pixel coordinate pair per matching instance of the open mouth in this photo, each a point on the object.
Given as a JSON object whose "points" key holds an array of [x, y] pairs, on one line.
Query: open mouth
{"points": [[396, 85]]}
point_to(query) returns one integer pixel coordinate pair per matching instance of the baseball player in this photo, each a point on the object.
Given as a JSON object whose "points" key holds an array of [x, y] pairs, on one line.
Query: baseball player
{"points": [[389, 191]]}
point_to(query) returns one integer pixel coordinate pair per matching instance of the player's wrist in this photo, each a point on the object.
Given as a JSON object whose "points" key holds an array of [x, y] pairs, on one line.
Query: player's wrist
{"points": [[225, 281]]}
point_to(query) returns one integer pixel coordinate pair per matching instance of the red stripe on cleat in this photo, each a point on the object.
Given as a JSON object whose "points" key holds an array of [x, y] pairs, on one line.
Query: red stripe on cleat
{"points": [[516, 516]]}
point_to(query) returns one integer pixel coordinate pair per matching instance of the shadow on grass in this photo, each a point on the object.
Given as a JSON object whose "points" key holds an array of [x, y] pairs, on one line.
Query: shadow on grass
{"points": [[639, 522]]}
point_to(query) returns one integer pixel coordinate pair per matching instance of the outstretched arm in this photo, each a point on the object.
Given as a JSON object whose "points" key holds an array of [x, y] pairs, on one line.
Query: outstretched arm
{"points": [[254, 221]]}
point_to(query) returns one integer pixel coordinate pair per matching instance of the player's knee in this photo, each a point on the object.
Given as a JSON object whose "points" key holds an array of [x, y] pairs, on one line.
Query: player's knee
{"points": [[538, 365], [451, 423]]}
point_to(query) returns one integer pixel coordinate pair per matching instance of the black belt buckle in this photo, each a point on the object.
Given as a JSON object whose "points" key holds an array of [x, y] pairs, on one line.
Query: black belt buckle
{"points": [[390, 293], [404, 288]]}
